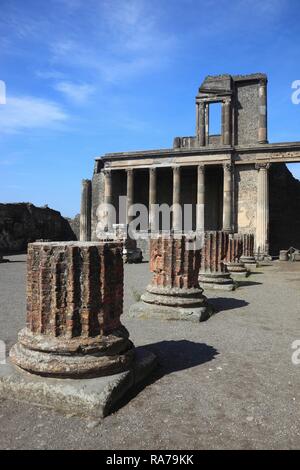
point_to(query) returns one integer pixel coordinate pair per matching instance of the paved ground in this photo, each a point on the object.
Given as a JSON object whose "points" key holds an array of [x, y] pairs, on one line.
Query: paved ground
{"points": [[225, 383]]}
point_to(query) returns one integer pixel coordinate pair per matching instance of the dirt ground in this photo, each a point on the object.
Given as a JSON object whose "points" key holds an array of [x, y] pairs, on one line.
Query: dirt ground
{"points": [[225, 383]]}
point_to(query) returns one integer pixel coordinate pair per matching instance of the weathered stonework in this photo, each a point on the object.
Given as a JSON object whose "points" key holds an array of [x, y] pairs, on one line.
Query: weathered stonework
{"points": [[248, 257], [213, 272], [235, 201], [235, 267], [174, 292], [74, 355], [74, 304]]}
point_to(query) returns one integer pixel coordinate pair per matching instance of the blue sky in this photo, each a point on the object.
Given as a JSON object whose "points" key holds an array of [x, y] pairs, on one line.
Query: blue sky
{"points": [[85, 77]]}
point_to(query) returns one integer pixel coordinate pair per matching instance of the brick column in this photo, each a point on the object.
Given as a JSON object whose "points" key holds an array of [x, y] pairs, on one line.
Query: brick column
{"points": [[248, 249], [235, 267], [200, 198], [174, 292], [177, 222], [227, 197], [86, 210], [213, 272], [262, 123], [74, 304]]}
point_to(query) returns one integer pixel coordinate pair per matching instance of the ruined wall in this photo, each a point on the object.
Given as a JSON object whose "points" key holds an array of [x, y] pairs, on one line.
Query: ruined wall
{"points": [[245, 193], [247, 106], [23, 222], [284, 209]]}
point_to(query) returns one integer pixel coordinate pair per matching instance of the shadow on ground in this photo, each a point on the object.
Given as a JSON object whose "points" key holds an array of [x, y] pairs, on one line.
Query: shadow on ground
{"points": [[172, 356], [227, 303], [248, 283]]}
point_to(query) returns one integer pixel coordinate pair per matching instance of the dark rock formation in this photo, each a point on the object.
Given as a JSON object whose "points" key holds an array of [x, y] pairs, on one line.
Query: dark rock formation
{"points": [[75, 225], [284, 209], [23, 222]]}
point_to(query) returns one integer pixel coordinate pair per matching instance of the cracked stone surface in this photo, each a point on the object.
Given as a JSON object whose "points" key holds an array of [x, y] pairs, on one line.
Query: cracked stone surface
{"points": [[225, 383]]}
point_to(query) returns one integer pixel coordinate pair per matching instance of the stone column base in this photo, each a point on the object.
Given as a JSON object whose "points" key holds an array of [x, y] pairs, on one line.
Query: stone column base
{"points": [[172, 304], [222, 281], [76, 357], [237, 270], [93, 398], [249, 261]]}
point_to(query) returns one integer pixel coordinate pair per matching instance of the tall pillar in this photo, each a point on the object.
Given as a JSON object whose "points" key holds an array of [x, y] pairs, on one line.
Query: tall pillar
{"points": [[227, 197], [206, 111], [107, 197], [262, 124], [201, 124], [200, 198], [152, 199], [262, 210], [86, 210], [226, 118], [130, 193], [177, 222]]}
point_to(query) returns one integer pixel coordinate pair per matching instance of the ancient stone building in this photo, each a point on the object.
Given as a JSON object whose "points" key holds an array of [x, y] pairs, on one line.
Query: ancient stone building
{"points": [[225, 177]]}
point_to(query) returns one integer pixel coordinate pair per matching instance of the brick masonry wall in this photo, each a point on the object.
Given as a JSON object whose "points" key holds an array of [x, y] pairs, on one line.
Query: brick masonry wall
{"points": [[74, 290]]}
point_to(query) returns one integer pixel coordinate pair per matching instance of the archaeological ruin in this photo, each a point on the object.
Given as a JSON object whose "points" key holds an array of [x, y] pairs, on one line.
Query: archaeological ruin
{"points": [[236, 181]]}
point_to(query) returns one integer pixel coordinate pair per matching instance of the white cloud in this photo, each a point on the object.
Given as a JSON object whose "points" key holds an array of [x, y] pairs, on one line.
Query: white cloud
{"points": [[126, 39], [75, 92], [28, 112]]}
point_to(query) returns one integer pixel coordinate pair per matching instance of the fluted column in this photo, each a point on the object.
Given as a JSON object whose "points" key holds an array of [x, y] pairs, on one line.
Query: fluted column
{"points": [[74, 304], [130, 193], [226, 115], [201, 124], [227, 197], [177, 222], [85, 210], [262, 210], [262, 125], [200, 198], [152, 199]]}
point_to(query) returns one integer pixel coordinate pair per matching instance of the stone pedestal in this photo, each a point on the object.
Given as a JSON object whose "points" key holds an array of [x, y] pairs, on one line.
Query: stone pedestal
{"points": [[214, 273], [235, 267], [174, 292], [248, 257], [73, 329]]}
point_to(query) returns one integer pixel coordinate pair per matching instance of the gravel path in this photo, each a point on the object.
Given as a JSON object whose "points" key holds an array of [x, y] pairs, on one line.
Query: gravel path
{"points": [[225, 383]]}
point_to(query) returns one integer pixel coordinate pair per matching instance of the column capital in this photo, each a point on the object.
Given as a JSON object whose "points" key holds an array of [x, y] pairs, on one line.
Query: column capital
{"points": [[107, 171], [228, 166], [262, 166], [129, 171], [176, 168], [152, 169]]}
